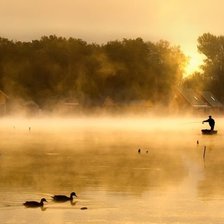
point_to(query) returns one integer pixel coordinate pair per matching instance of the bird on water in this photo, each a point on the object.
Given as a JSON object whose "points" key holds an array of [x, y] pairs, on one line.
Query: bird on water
{"points": [[63, 198], [34, 204]]}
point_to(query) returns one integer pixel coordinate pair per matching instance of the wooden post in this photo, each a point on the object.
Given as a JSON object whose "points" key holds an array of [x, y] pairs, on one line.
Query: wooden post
{"points": [[204, 152]]}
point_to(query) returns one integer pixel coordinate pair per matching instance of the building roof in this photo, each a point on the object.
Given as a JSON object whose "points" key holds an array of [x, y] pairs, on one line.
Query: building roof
{"points": [[1, 92], [211, 99], [193, 98]]}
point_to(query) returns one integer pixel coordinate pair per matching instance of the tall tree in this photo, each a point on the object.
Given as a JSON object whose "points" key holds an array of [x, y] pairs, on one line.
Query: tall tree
{"points": [[213, 48]]}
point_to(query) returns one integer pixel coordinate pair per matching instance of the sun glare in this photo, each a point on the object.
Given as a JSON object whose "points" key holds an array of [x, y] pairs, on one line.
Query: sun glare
{"points": [[195, 61]]}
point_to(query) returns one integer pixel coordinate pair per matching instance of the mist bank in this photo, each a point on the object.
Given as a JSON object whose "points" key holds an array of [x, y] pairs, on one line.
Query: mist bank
{"points": [[136, 124], [110, 146]]}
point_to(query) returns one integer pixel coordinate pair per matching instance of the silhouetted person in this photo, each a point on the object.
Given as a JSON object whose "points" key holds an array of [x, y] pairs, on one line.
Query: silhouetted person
{"points": [[211, 122]]}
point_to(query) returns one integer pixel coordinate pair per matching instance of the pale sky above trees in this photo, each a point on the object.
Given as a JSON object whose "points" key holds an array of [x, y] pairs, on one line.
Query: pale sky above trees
{"points": [[177, 21]]}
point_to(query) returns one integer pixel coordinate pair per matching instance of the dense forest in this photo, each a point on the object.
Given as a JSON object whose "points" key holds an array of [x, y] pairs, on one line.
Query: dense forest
{"points": [[57, 69]]}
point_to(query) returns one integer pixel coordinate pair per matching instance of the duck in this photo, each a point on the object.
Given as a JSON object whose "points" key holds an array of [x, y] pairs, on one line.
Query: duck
{"points": [[63, 198], [34, 204]]}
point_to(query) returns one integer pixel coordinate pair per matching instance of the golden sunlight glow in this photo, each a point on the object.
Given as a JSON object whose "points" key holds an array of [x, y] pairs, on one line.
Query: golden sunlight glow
{"points": [[195, 61]]}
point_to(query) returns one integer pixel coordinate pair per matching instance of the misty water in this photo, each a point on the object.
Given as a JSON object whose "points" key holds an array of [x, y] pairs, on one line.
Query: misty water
{"points": [[167, 182]]}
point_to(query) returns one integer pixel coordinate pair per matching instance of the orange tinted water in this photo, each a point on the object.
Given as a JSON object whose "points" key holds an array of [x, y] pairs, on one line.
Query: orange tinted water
{"points": [[167, 182]]}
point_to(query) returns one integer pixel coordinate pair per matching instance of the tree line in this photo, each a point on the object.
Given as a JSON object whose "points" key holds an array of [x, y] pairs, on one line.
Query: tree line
{"points": [[52, 69], [55, 69]]}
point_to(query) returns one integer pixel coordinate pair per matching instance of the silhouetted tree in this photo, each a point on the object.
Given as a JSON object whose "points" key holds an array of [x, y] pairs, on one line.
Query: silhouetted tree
{"points": [[213, 69]]}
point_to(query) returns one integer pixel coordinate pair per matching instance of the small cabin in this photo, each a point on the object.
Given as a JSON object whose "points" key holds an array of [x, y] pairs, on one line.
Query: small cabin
{"points": [[197, 101], [188, 99], [68, 106], [30, 108], [212, 100]]}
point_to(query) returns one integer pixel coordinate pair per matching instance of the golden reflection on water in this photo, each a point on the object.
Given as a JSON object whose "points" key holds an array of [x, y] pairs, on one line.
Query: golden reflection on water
{"points": [[167, 182]]}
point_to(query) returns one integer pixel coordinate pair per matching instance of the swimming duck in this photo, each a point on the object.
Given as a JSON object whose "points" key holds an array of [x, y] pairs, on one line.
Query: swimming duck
{"points": [[63, 198], [33, 204]]}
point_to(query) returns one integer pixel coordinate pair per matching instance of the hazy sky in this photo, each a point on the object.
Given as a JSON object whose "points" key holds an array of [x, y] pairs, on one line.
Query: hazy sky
{"points": [[178, 21]]}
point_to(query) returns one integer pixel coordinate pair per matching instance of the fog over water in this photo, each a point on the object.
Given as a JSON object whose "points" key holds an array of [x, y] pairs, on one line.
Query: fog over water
{"points": [[98, 158]]}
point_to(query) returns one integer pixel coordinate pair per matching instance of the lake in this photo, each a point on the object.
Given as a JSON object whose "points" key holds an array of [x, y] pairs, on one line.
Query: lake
{"points": [[168, 182]]}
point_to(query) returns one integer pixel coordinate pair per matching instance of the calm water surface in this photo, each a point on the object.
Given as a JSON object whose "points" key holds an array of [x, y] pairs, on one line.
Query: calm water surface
{"points": [[168, 182]]}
